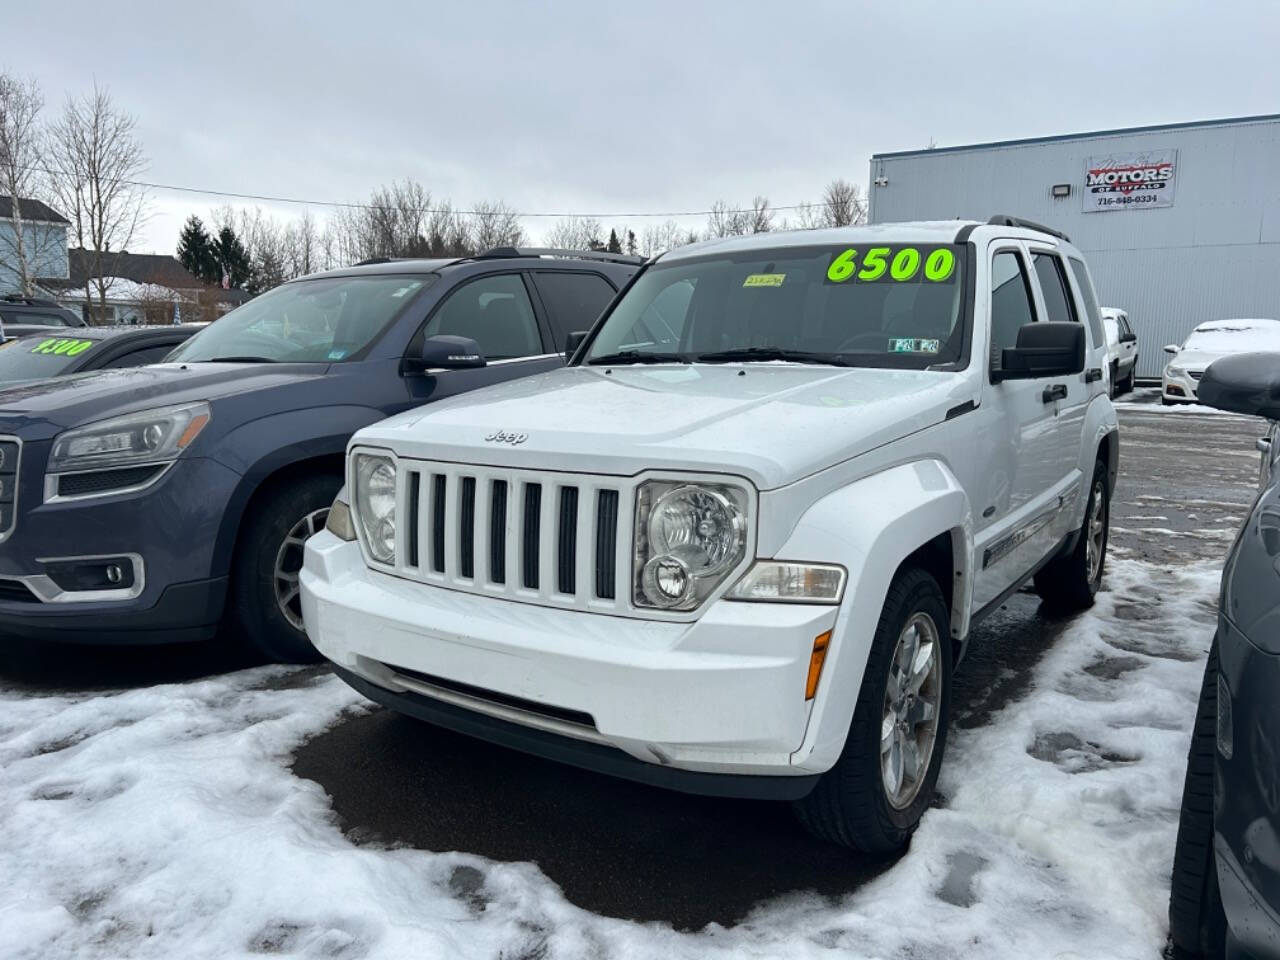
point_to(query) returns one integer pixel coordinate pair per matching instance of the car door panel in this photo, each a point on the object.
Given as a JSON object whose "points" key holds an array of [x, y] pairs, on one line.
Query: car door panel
{"points": [[1019, 463]]}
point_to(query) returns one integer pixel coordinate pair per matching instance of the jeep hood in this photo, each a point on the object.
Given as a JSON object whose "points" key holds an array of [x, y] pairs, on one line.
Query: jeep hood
{"points": [[773, 423], [86, 397]]}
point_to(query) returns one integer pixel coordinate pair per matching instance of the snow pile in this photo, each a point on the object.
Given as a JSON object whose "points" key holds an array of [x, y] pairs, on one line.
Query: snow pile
{"points": [[164, 822]]}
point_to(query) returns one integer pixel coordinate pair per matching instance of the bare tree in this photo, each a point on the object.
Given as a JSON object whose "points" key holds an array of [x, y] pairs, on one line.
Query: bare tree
{"points": [[759, 218], [574, 233], [22, 176], [96, 160], [843, 205], [495, 225], [725, 221], [302, 246], [661, 237]]}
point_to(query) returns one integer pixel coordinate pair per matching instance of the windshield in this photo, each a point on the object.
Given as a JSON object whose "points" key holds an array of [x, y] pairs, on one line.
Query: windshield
{"points": [[897, 305], [34, 358], [327, 320], [1234, 336]]}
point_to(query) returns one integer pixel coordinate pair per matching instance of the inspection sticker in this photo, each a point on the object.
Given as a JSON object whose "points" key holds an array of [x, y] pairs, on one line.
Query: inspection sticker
{"points": [[911, 345], [764, 280]]}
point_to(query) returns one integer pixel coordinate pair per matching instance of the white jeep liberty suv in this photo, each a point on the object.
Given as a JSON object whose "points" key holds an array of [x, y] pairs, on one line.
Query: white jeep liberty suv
{"points": [[737, 546]]}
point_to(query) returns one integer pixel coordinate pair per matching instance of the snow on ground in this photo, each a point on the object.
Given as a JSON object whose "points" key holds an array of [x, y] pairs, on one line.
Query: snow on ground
{"points": [[164, 822], [1148, 399]]}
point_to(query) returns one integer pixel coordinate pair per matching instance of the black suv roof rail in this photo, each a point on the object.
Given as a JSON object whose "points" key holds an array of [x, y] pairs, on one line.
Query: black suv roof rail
{"points": [[1004, 220], [499, 253], [29, 301], [372, 260]]}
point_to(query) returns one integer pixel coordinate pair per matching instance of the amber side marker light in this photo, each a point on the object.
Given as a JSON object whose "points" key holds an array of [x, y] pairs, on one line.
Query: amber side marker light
{"points": [[193, 429], [816, 659]]}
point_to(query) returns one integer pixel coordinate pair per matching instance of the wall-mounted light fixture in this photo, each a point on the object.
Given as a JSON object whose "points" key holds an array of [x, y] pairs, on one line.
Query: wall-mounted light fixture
{"points": [[881, 181], [1060, 190]]}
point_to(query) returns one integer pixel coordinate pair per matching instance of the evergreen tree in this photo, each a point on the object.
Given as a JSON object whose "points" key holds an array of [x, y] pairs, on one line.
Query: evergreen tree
{"points": [[614, 245], [232, 258], [196, 251], [632, 246]]}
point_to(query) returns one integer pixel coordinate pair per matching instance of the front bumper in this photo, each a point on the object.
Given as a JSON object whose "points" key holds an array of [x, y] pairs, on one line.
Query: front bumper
{"points": [[1247, 795], [169, 529], [1179, 388], [722, 695]]}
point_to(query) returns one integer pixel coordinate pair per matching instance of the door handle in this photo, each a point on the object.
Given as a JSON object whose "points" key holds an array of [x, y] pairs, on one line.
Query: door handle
{"points": [[1056, 392], [1093, 374]]}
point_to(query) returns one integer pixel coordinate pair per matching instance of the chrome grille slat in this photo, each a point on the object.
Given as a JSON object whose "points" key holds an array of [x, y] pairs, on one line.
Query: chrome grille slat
{"points": [[559, 539]]}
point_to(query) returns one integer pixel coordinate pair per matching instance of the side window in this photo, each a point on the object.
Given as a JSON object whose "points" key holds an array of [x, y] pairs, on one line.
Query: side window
{"points": [[493, 311], [574, 300], [141, 357], [1125, 329], [1053, 286], [1011, 303], [1090, 300]]}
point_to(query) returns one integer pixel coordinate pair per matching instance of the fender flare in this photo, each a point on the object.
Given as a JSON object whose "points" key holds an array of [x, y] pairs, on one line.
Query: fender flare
{"points": [[870, 527], [255, 452]]}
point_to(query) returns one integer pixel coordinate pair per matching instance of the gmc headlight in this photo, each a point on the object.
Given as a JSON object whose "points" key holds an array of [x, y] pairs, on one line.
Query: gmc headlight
{"points": [[375, 504], [1176, 372], [152, 436], [688, 538]]}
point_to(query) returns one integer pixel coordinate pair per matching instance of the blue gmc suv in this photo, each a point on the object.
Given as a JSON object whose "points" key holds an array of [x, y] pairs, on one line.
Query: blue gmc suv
{"points": [[155, 504]]}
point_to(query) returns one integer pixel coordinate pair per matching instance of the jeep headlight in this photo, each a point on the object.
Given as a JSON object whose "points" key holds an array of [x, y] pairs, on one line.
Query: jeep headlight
{"points": [[375, 504], [688, 537], [136, 439]]}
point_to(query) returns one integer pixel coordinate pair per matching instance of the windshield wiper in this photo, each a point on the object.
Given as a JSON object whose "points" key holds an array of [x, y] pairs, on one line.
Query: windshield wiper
{"points": [[752, 354], [637, 356], [240, 360]]}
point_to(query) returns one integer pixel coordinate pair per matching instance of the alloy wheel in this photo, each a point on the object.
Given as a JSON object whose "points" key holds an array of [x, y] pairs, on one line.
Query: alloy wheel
{"points": [[1096, 536], [909, 727], [289, 565]]}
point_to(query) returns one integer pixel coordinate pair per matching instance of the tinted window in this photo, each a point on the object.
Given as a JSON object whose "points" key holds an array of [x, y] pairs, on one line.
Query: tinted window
{"points": [[141, 357], [1090, 300], [41, 319], [1011, 307], [494, 312], [1053, 287], [892, 306], [574, 300]]}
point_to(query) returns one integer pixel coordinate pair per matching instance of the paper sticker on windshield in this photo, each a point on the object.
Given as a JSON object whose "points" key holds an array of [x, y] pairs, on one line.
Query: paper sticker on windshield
{"points": [[62, 346], [892, 265], [337, 354], [409, 288], [912, 345], [764, 280]]}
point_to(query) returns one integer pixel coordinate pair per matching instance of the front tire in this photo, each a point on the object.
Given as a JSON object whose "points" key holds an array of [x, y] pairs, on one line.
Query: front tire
{"points": [[268, 612], [1129, 380], [1069, 582], [1197, 922], [873, 798]]}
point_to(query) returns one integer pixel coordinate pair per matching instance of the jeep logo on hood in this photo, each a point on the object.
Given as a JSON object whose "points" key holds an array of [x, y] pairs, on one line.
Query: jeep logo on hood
{"points": [[501, 436]]}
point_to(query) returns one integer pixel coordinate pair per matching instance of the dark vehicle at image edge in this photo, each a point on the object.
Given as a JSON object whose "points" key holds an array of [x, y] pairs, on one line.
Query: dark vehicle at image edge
{"points": [[52, 353], [1225, 899], [145, 505], [21, 315]]}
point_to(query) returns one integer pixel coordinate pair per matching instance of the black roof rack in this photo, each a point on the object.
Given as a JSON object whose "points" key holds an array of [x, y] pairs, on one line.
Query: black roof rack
{"points": [[29, 301], [372, 260], [502, 253], [1004, 220]]}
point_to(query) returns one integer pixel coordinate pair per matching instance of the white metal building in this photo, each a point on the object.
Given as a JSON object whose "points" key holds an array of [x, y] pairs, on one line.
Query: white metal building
{"points": [[1180, 222]]}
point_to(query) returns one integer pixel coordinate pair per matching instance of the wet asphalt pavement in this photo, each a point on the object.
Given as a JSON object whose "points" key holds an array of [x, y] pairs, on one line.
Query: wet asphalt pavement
{"points": [[629, 851]]}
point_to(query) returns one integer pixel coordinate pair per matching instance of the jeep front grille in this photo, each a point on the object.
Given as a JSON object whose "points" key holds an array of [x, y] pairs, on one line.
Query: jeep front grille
{"points": [[557, 539]]}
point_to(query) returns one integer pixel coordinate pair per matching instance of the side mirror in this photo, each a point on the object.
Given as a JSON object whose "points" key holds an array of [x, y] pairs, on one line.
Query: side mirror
{"points": [[1170, 348], [573, 341], [1243, 383], [1129, 338], [1044, 350], [445, 352]]}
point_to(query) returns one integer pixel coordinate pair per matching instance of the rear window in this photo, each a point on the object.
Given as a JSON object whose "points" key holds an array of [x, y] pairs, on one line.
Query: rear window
{"points": [[34, 358]]}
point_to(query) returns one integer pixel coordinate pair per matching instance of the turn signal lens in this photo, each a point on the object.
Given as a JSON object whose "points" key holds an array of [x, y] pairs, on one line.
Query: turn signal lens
{"points": [[816, 660]]}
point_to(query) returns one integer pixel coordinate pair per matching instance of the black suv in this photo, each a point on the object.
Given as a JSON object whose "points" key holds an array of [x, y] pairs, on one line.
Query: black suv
{"points": [[1225, 899], [22, 315], [140, 505], [55, 353]]}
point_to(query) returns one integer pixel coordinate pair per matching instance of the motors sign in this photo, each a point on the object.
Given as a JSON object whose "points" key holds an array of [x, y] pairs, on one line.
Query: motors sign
{"points": [[1130, 181]]}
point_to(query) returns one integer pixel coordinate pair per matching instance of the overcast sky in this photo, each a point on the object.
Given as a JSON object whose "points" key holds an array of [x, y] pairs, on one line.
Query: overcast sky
{"points": [[604, 107]]}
